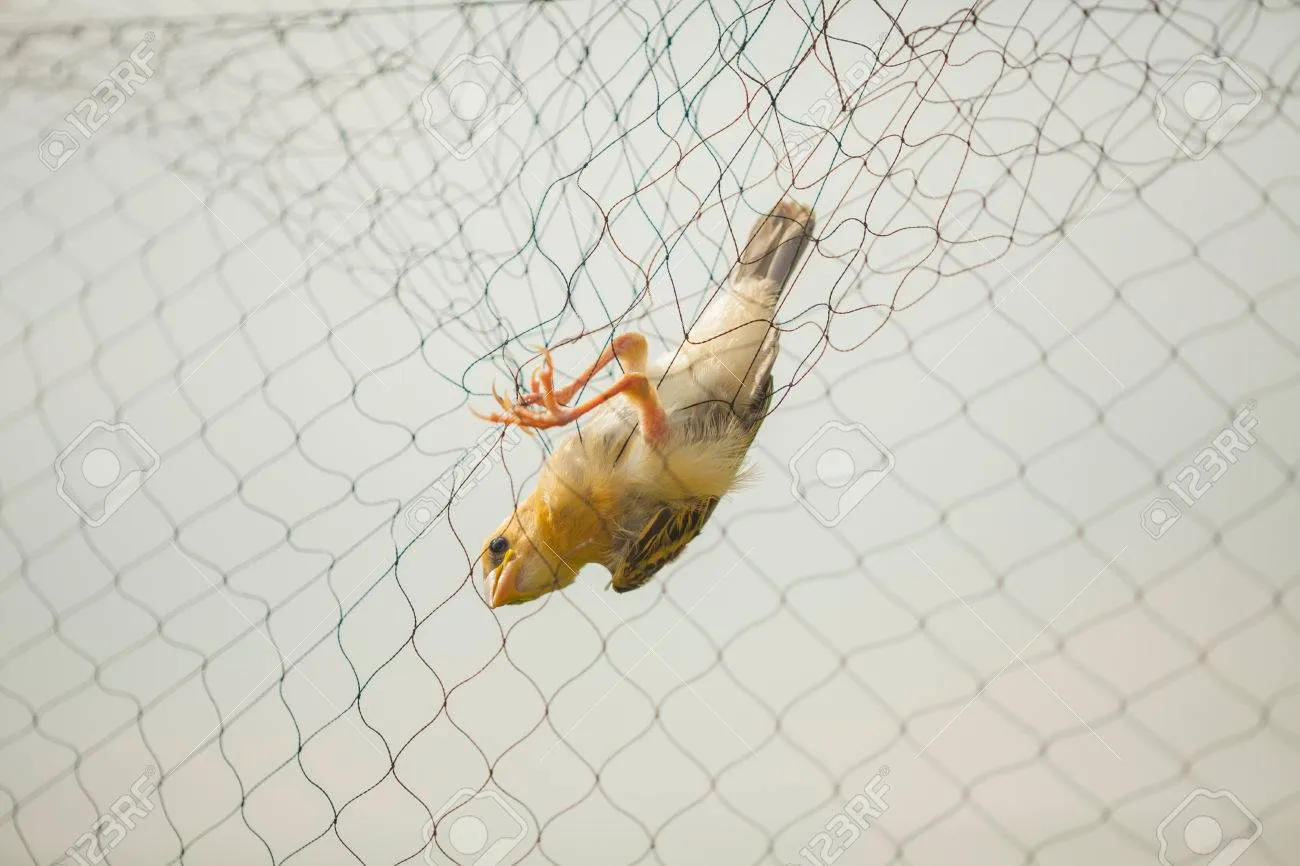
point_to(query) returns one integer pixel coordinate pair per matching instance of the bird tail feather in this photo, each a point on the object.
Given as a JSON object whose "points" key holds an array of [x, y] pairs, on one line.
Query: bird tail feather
{"points": [[733, 345], [774, 247]]}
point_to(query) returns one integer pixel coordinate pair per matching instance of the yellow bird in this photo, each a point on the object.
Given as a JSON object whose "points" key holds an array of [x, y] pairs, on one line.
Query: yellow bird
{"points": [[646, 472]]}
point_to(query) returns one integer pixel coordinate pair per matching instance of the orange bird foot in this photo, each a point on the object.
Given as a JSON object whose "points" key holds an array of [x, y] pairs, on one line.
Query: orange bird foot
{"points": [[542, 406], [545, 406]]}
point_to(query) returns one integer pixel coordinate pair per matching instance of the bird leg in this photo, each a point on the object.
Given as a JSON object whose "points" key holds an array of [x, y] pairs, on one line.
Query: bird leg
{"points": [[631, 351]]}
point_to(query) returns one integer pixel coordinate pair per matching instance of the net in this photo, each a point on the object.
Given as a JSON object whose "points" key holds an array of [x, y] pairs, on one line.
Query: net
{"points": [[1014, 576]]}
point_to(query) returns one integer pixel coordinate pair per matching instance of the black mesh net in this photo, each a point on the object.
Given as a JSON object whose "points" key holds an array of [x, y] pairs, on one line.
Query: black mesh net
{"points": [[1015, 580]]}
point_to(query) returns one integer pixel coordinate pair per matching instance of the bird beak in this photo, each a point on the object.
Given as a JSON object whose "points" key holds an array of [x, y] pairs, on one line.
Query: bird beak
{"points": [[501, 582]]}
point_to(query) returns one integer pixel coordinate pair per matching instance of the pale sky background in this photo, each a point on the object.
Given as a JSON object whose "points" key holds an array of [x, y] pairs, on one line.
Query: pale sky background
{"points": [[267, 267]]}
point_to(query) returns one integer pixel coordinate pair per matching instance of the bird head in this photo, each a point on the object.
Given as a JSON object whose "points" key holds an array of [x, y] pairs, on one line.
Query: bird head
{"points": [[528, 556]]}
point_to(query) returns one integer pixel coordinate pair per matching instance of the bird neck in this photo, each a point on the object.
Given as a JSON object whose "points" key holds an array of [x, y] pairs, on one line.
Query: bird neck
{"points": [[575, 527]]}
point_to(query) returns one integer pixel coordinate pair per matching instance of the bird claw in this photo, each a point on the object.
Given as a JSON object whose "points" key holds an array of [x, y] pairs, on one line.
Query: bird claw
{"points": [[542, 384], [526, 413]]}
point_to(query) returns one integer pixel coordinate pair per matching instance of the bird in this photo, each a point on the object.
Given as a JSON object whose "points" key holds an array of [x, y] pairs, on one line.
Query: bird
{"points": [[656, 450]]}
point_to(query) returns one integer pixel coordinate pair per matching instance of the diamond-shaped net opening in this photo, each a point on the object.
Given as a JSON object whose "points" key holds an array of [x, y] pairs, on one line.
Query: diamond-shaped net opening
{"points": [[1015, 579]]}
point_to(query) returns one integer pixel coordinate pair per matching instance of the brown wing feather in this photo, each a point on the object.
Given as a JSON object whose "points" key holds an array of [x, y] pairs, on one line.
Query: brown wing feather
{"points": [[673, 526], [665, 536]]}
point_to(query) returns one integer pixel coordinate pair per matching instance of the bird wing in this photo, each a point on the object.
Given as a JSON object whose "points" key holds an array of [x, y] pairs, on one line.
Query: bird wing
{"points": [[664, 537]]}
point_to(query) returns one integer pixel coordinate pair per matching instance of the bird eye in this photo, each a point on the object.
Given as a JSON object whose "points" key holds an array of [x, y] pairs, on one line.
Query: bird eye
{"points": [[498, 545]]}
